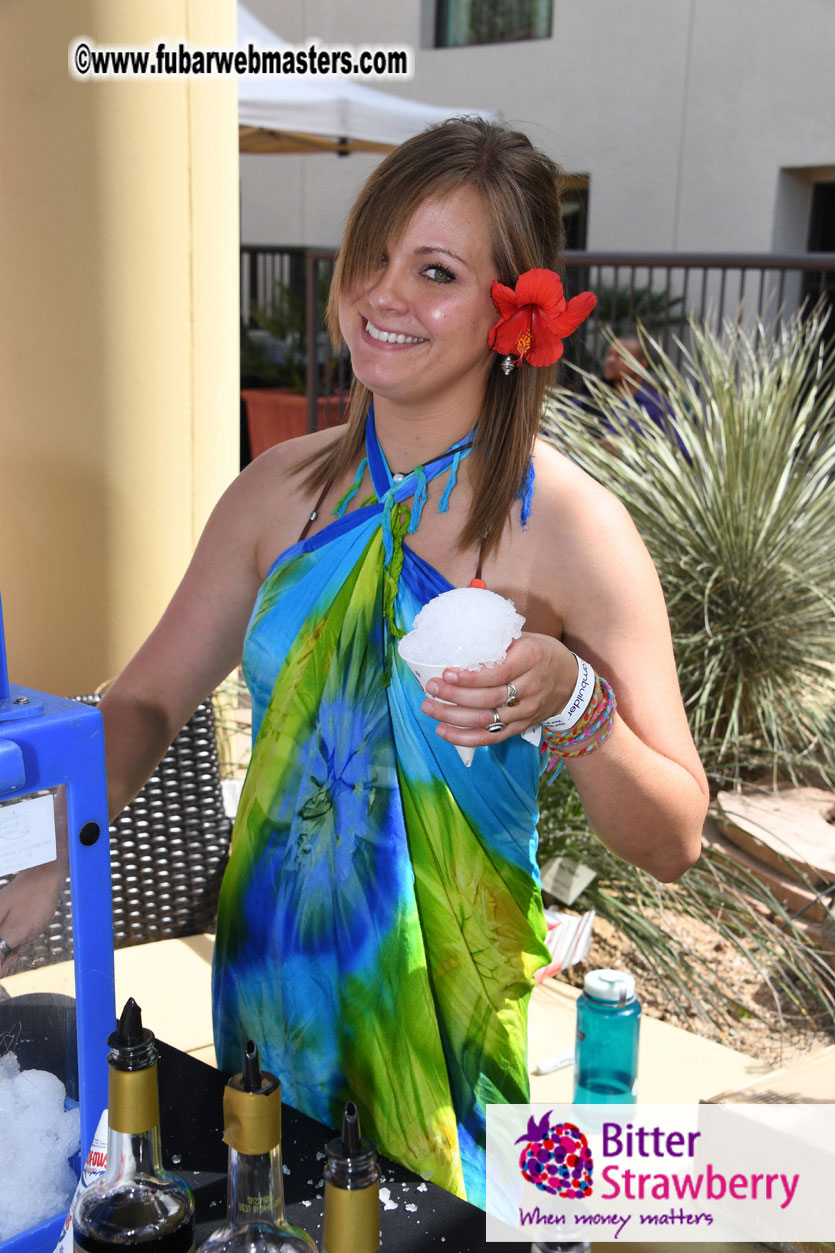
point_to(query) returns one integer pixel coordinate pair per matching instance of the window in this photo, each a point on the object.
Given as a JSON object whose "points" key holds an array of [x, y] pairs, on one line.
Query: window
{"points": [[821, 239], [574, 202], [463, 22], [822, 218]]}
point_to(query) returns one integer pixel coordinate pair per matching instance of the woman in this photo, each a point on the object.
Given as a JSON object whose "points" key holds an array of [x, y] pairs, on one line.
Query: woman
{"points": [[380, 922]]}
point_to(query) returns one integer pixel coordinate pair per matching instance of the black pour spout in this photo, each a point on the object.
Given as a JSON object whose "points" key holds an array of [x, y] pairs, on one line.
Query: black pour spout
{"points": [[131, 1045], [251, 1073], [351, 1134]]}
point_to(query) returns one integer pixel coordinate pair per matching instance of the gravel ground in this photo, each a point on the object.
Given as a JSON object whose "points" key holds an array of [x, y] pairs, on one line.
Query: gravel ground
{"points": [[757, 1029]]}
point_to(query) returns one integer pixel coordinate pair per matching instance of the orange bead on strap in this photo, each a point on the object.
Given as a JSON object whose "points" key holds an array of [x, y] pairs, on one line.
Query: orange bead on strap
{"points": [[477, 583]]}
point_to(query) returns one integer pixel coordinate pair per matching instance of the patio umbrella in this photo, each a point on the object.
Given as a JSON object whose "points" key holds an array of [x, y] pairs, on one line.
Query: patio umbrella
{"points": [[306, 113]]}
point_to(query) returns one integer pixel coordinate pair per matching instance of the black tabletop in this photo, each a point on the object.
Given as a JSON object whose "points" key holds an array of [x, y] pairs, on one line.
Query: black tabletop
{"points": [[414, 1215]]}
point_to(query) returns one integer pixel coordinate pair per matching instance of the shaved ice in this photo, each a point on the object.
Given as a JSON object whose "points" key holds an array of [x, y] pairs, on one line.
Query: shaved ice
{"points": [[467, 627], [38, 1138]]}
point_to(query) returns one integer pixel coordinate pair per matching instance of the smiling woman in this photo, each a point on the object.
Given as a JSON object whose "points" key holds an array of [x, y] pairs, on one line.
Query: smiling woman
{"points": [[417, 326], [476, 203], [380, 924]]}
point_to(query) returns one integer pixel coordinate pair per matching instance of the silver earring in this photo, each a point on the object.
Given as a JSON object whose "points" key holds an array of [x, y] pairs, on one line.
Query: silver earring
{"points": [[508, 365]]}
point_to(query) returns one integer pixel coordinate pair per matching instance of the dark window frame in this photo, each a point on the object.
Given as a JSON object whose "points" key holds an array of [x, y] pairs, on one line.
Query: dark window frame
{"points": [[574, 192], [488, 7]]}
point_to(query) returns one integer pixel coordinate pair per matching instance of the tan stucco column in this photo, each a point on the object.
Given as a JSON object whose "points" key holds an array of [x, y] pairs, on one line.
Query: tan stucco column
{"points": [[119, 350]]}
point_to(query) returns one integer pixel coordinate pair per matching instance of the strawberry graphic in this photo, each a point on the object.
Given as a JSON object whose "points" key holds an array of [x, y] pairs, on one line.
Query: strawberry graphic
{"points": [[536, 1130], [556, 1159]]}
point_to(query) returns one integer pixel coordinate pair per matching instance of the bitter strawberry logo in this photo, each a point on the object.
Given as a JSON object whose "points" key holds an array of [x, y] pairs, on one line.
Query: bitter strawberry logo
{"points": [[556, 1159]]}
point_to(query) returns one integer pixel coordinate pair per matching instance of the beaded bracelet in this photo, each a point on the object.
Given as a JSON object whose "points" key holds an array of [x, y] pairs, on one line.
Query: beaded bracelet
{"points": [[597, 717], [581, 729], [588, 734]]}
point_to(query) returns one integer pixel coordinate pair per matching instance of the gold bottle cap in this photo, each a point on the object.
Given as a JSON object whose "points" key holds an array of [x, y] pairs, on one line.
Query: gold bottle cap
{"points": [[252, 1108], [352, 1220], [133, 1100], [133, 1091]]}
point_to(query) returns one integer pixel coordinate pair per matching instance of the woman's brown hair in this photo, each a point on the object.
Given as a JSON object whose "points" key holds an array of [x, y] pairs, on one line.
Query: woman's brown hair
{"points": [[519, 185]]}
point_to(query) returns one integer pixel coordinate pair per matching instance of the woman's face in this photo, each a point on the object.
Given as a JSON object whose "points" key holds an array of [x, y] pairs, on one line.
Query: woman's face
{"points": [[417, 327]]}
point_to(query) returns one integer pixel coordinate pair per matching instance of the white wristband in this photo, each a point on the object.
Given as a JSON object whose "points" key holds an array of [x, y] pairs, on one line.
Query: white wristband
{"points": [[579, 700]]}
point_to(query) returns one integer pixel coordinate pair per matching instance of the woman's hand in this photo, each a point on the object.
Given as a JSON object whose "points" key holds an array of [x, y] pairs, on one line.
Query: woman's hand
{"points": [[27, 905], [542, 670]]}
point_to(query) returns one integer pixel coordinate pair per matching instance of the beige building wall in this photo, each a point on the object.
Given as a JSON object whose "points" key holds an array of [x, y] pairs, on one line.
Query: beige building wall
{"points": [[684, 113], [118, 329]]}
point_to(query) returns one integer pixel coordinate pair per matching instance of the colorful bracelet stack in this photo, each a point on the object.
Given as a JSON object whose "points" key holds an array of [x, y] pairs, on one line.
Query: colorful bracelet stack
{"points": [[587, 734]]}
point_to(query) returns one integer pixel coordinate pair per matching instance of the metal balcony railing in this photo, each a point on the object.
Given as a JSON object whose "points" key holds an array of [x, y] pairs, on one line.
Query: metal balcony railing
{"points": [[660, 291]]}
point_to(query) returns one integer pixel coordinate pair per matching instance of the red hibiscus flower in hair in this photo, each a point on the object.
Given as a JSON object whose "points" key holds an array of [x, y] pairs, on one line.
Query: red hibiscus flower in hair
{"points": [[536, 317]]}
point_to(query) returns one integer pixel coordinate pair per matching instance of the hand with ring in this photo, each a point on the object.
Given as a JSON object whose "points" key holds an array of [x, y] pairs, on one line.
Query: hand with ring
{"points": [[477, 707], [7, 957], [27, 905]]}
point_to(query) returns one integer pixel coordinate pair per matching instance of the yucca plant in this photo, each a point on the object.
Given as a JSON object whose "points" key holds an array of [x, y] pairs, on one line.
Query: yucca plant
{"points": [[741, 527], [798, 981]]}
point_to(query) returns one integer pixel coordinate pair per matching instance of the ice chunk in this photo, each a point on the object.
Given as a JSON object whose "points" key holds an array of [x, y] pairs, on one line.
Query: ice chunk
{"points": [[39, 1136], [467, 627], [40, 1092], [9, 1066]]}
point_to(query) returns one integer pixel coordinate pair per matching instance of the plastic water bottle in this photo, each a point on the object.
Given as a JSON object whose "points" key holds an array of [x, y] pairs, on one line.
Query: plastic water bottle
{"points": [[606, 1054]]}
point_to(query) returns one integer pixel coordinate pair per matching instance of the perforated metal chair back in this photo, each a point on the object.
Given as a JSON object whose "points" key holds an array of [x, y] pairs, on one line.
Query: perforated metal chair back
{"points": [[168, 851]]}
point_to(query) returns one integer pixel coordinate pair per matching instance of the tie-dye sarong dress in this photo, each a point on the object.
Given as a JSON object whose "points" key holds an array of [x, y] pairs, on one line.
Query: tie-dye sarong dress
{"points": [[380, 921]]}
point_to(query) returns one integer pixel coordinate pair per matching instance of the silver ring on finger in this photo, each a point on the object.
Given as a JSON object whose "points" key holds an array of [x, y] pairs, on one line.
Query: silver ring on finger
{"points": [[512, 696], [496, 725], [6, 948]]}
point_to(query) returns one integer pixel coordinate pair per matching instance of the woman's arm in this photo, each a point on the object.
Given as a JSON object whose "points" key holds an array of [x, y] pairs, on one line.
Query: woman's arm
{"points": [[28, 902], [196, 645], [644, 789], [199, 639]]}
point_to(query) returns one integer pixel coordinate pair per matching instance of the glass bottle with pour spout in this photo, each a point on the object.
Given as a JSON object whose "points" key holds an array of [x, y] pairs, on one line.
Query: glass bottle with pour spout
{"points": [[255, 1219], [136, 1205], [352, 1190]]}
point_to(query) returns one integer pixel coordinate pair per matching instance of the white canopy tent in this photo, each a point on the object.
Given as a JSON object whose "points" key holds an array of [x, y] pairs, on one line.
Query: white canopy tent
{"points": [[305, 113]]}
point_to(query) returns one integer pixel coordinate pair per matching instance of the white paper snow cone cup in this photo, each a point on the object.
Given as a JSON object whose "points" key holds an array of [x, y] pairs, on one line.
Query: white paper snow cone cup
{"points": [[423, 672]]}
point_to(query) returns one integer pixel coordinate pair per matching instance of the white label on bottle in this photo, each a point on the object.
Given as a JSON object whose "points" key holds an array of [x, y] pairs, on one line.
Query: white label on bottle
{"points": [[27, 833], [94, 1168]]}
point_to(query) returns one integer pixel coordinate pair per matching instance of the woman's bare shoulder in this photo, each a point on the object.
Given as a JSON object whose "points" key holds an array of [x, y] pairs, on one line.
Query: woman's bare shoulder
{"points": [[568, 498], [278, 475], [584, 540], [286, 460], [271, 497]]}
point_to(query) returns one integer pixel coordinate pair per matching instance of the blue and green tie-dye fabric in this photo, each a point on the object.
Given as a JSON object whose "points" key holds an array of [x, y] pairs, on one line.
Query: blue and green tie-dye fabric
{"points": [[380, 921]]}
